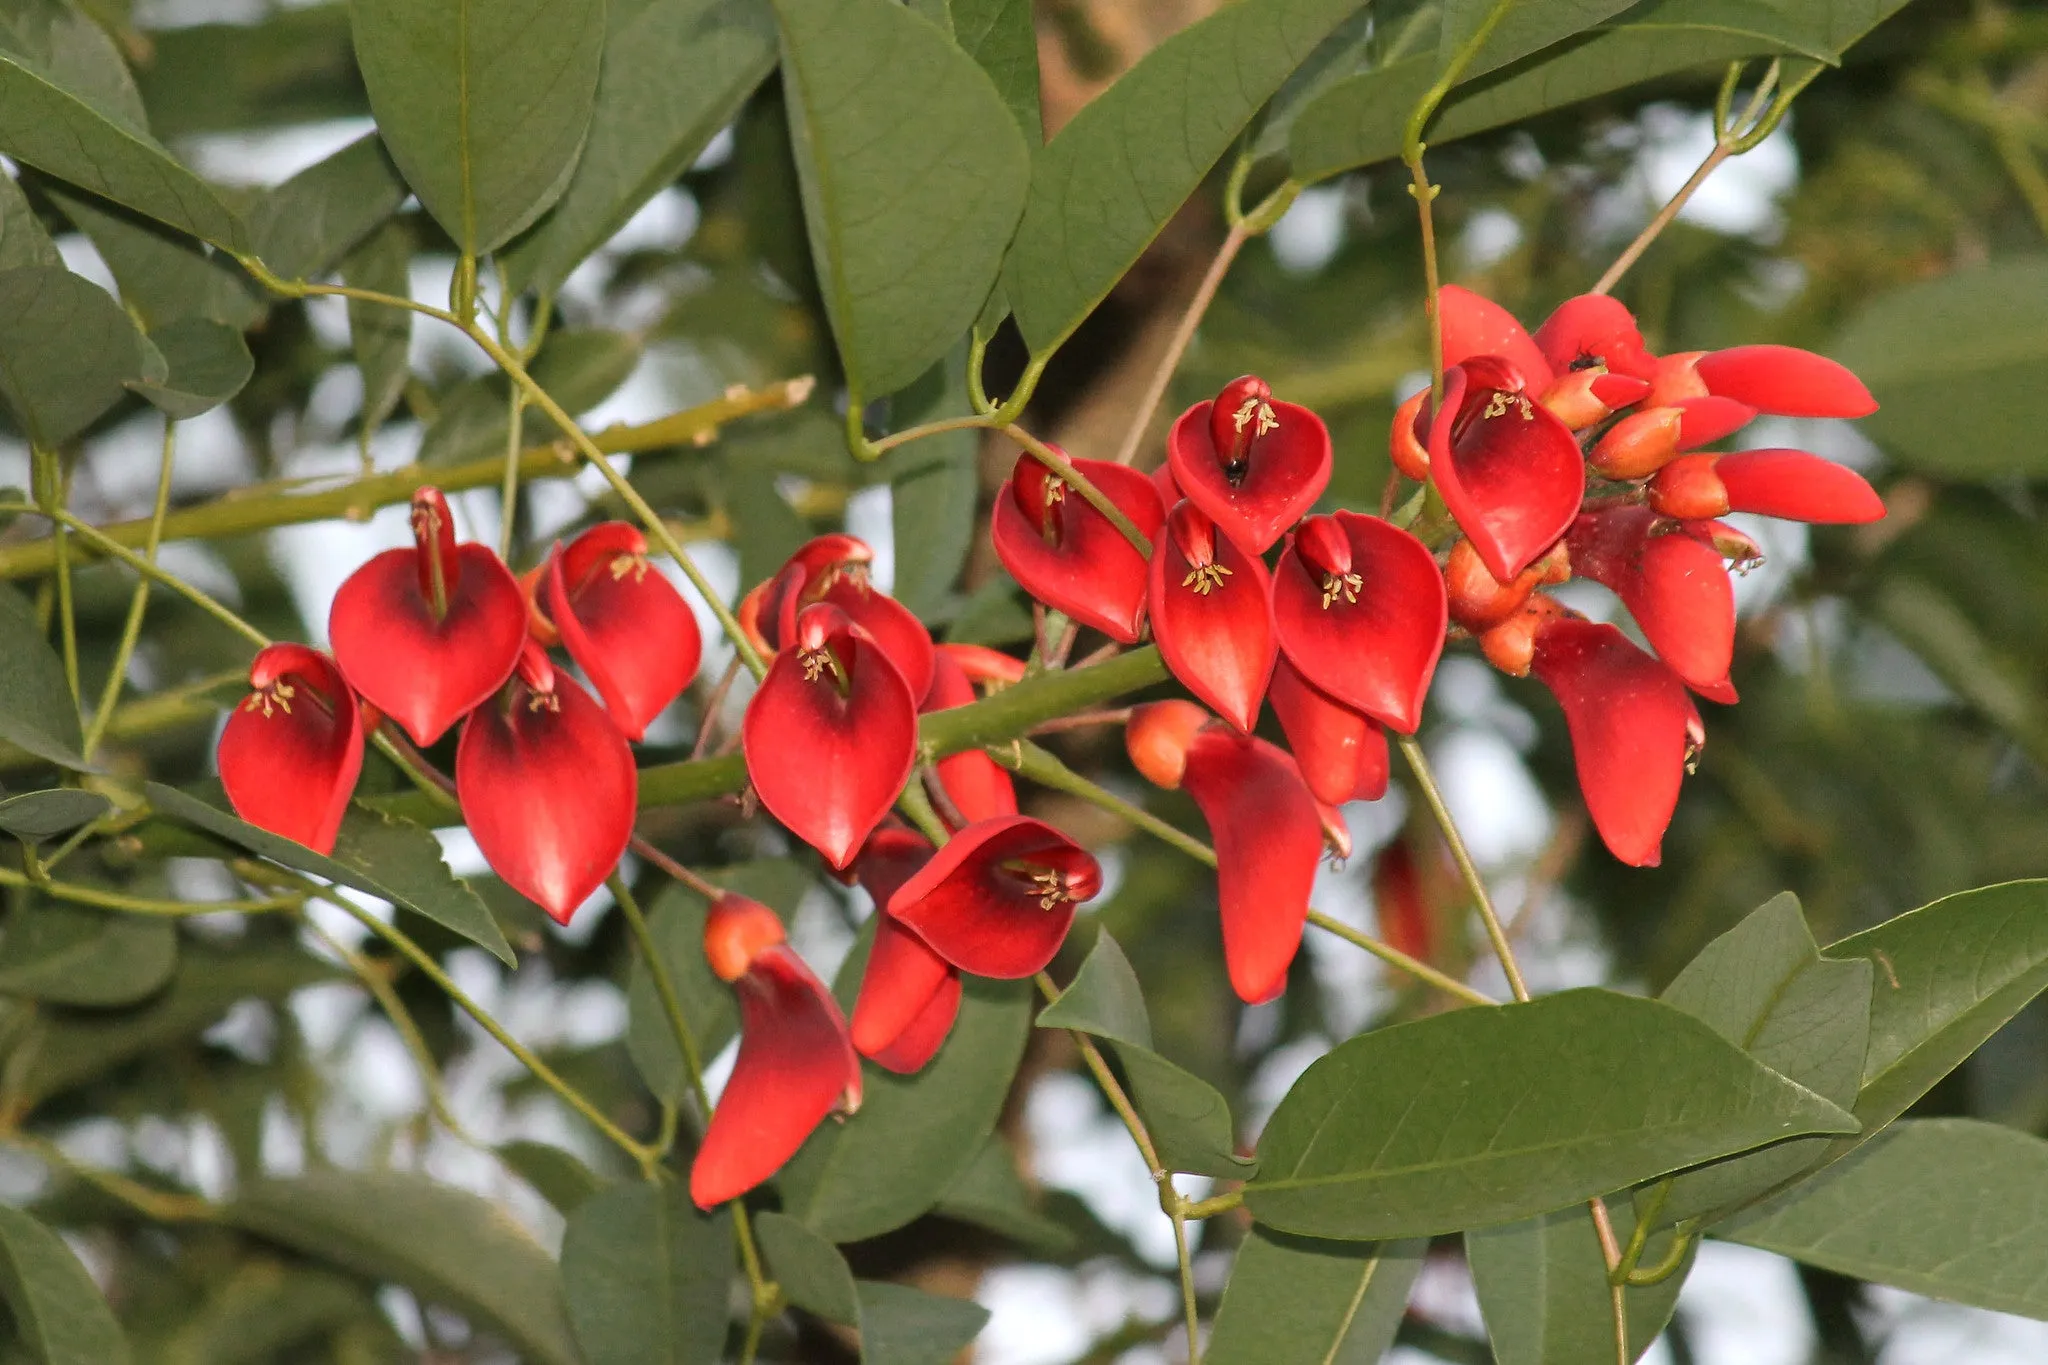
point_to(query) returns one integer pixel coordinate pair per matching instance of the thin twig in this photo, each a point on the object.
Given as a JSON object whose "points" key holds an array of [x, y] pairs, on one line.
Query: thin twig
{"points": [[1176, 347], [131, 630], [1476, 884]]}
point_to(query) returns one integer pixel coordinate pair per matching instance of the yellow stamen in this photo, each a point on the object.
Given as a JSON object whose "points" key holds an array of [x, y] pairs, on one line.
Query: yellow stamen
{"points": [[1206, 579]]}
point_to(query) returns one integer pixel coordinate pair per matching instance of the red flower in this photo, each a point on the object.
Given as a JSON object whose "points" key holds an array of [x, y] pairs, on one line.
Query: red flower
{"points": [[1211, 616], [795, 1064], [290, 753], [547, 786], [1792, 484], [1403, 911], [1777, 379], [1634, 731], [1593, 330], [1066, 554], [1646, 440], [909, 995], [834, 568], [977, 784], [1342, 752], [1478, 601], [1509, 471], [1358, 606], [623, 623], [1674, 581], [427, 634], [831, 734], [998, 899], [1252, 463], [1476, 326]]}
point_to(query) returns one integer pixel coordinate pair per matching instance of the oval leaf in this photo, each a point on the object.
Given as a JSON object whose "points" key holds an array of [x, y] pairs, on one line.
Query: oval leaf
{"points": [[809, 1268], [1301, 1301], [58, 1311], [35, 816], [36, 711], [164, 276], [209, 364], [646, 1277], [72, 955], [1543, 1289], [904, 1326], [304, 227], [66, 351]]}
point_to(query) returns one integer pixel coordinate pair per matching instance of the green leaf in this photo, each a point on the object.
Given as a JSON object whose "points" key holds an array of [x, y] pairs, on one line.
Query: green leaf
{"points": [[446, 1245], [1300, 1301], [263, 1310], [1948, 975], [676, 921], [557, 1176], [904, 1326], [645, 1276], [1000, 37], [390, 858], [59, 1313], [68, 108], [1106, 184], [990, 1194], [1104, 998], [932, 501], [1944, 1207], [164, 275], [209, 364], [37, 713], [484, 106], [295, 67], [913, 174], [674, 73], [380, 336], [1528, 26], [23, 241], [1493, 1115], [1543, 1288], [812, 1273], [66, 350], [73, 955], [302, 228], [35, 816], [579, 369], [1955, 349]]}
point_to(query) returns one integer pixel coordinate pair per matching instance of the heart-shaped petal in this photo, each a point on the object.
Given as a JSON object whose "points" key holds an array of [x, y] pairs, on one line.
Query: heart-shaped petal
{"points": [[623, 623], [1474, 325], [1273, 468], [1067, 554], [1673, 581], [976, 784], [1509, 471], [1211, 616], [1359, 609], [289, 755], [998, 899], [830, 735], [893, 627], [1342, 752], [1785, 380]]}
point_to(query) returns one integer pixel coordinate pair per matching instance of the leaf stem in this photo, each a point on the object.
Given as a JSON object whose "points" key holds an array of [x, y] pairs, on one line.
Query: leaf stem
{"points": [[938, 428], [1426, 780], [1617, 1291], [162, 1206], [131, 629], [665, 988]]}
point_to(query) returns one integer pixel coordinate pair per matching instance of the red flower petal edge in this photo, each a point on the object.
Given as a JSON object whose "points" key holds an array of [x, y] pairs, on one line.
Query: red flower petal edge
{"points": [[975, 783], [1211, 616], [1066, 554], [1785, 380], [623, 623], [998, 899], [1252, 463], [1477, 326], [291, 752], [904, 983], [1342, 752], [1674, 582]]}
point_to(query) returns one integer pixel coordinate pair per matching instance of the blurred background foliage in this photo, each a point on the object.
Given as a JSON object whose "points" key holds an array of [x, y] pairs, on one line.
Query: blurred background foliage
{"points": [[1891, 744]]}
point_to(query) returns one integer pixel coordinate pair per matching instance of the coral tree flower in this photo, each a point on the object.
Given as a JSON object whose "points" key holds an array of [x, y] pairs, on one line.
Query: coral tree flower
{"points": [[1509, 470], [547, 786], [831, 734], [909, 995], [426, 634], [623, 623], [1211, 616], [998, 899], [1782, 380], [795, 1066], [1672, 577], [834, 568], [1251, 462], [1067, 554], [291, 752], [1342, 752], [975, 783], [1793, 484]]}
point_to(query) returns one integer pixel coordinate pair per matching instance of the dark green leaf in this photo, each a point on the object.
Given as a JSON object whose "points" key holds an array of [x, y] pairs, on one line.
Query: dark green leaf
{"points": [[812, 1273], [446, 1245], [645, 1276], [58, 1311], [209, 364], [990, 1194], [37, 713], [1955, 349], [560, 1178], [1543, 1289], [674, 73], [381, 337], [932, 502], [904, 1326], [23, 242], [164, 275], [1104, 998], [1300, 1301], [295, 67], [1945, 1207], [1981, 671], [1528, 26], [304, 227], [73, 955], [913, 174], [387, 857], [66, 350], [578, 368], [68, 108], [483, 120], [1102, 188], [1493, 1115], [35, 816], [264, 1310], [999, 35]]}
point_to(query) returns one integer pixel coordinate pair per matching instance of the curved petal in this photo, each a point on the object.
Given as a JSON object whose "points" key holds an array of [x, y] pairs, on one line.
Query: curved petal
{"points": [[889, 858], [1593, 329], [984, 665], [1211, 616], [1798, 486], [1360, 611], [1673, 581], [290, 754], [893, 627], [1068, 555], [1283, 468], [623, 623], [998, 899], [977, 785], [923, 1036], [1342, 753], [1477, 326], [901, 979], [1786, 381], [1510, 472], [1268, 837]]}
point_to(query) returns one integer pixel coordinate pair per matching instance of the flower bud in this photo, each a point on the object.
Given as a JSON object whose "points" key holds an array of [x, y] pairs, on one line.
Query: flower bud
{"points": [[1157, 739]]}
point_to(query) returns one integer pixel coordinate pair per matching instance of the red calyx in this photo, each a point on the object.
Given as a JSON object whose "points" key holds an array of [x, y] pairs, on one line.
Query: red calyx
{"points": [[1785, 380], [1478, 601], [1157, 738], [1509, 471], [977, 784], [831, 734], [1342, 752], [1268, 836], [1066, 554], [1474, 325], [290, 754], [1210, 614], [427, 634], [1251, 462], [1674, 378], [796, 1064], [1586, 398], [1594, 330], [1638, 445], [1510, 645], [547, 786], [1672, 578], [1359, 609], [998, 899], [623, 623]]}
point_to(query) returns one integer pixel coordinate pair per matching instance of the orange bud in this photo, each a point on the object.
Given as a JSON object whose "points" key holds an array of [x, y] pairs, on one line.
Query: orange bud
{"points": [[736, 932], [1409, 454], [1479, 601], [1157, 739], [1511, 645], [1677, 377], [1689, 489], [1638, 445]]}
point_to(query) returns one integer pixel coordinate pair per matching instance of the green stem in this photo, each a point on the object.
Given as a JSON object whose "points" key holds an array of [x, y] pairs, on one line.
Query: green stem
{"points": [[938, 428], [1209, 1208], [1400, 961], [1682, 1240], [1434, 798], [1060, 465], [148, 569], [143, 905], [664, 987], [50, 492], [131, 630], [161, 1206], [508, 486]]}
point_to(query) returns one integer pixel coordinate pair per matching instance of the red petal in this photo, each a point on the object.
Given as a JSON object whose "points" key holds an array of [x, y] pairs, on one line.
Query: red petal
{"points": [[1673, 582], [923, 1036], [1477, 326], [902, 977], [889, 858], [623, 623], [977, 784], [1398, 902], [1342, 753], [981, 903], [1220, 641], [826, 764], [1797, 486], [289, 755], [1703, 421], [1083, 565], [548, 788], [1283, 472], [1269, 838], [984, 665], [1787, 381], [1367, 632], [795, 1066], [1510, 472], [1594, 328], [1629, 718], [893, 627]]}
